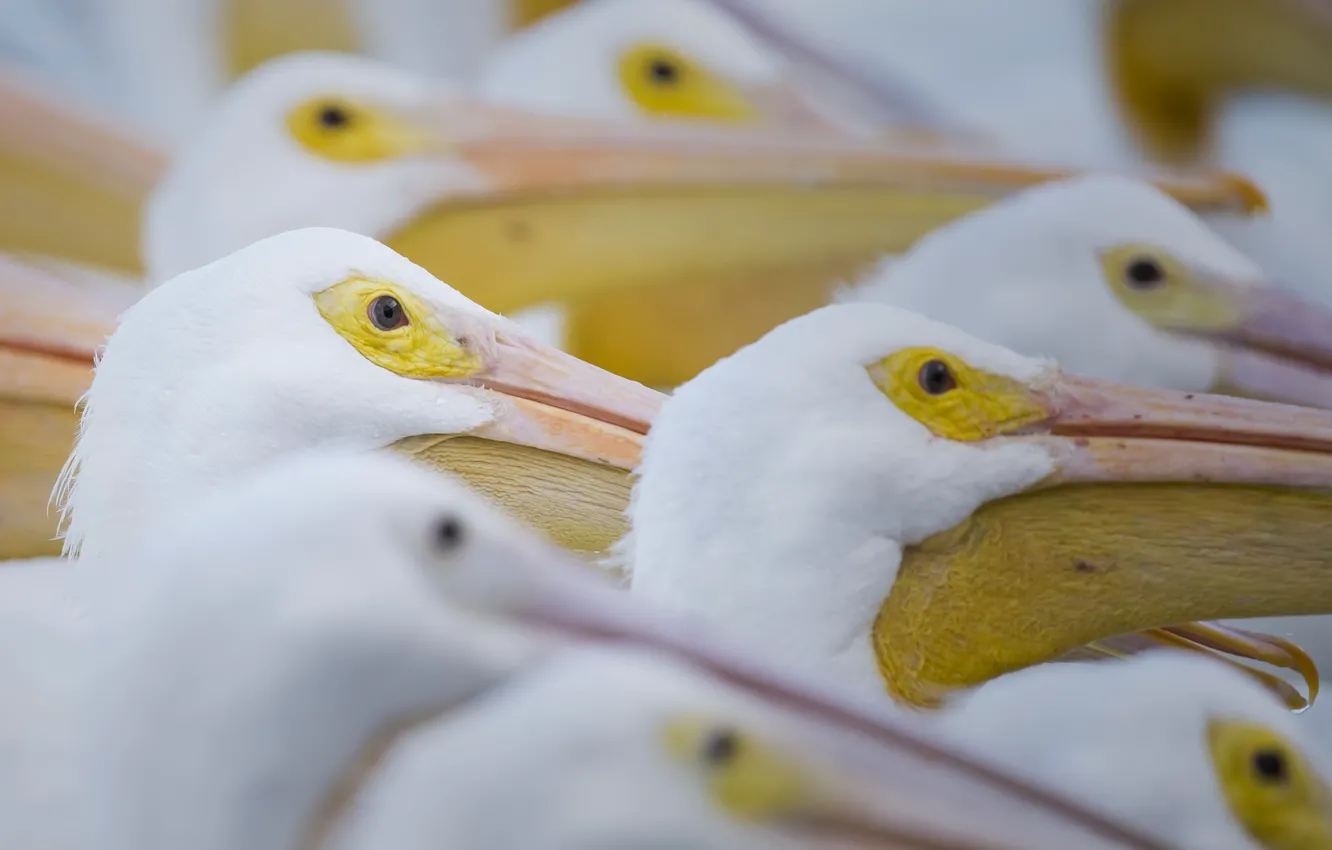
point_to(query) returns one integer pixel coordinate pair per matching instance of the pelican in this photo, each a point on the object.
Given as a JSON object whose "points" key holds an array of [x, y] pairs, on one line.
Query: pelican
{"points": [[322, 337], [615, 748], [515, 209], [350, 608], [871, 493], [1184, 748], [1114, 280]]}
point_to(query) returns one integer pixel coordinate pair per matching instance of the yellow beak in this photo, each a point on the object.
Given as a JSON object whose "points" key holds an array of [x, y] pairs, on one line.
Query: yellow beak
{"points": [[71, 184], [1165, 508], [746, 228]]}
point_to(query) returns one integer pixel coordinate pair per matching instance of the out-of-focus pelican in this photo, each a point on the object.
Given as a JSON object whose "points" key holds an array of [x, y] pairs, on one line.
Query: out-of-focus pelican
{"points": [[599, 748], [1185, 748], [349, 607], [1115, 280], [872, 493]]}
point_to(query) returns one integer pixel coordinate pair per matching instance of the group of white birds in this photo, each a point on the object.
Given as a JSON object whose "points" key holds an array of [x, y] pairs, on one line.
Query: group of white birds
{"points": [[882, 573]]}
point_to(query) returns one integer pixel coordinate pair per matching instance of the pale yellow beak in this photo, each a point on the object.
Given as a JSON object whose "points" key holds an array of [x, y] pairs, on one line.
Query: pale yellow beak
{"points": [[52, 320], [72, 183], [1165, 508], [708, 235], [563, 440]]}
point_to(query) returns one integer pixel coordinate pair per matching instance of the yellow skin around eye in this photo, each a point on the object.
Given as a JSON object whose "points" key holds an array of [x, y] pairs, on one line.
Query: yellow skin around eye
{"points": [[1294, 814], [693, 91], [1179, 302], [422, 348], [366, 135], [981, 405], [757, 782]]}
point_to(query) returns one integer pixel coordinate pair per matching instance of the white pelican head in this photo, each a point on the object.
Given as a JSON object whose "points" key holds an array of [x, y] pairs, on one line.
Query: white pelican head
{"points": [[339, 606], [673, 59], [868, 491], [321, 337], [1184, 747], [600, 747], [1115, 280]]}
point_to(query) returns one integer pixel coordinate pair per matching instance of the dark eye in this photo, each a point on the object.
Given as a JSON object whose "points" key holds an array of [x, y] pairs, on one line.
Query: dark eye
{"points": [[936, 378], [1270, 766], [720, 746], [664, 71], [1144, 273], [448, 533], [334, 116], [387, 313]]}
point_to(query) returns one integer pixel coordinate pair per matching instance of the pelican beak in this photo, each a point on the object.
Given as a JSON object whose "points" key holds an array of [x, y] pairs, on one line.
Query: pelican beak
{"points": [[560, 446], [848, 774], [685, 222], [557, 209], [1163, 508], [51, 324], [71, 184], [1278, 347]]}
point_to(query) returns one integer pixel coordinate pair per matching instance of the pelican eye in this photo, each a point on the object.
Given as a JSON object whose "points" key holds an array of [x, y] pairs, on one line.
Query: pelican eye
{"points": [[1144, 273], [334, 116], [344, 129], [387, 313], [720, 746], [1275, 793], [952, 398], [448, 533], [665, 82], [396, 329], [936, 378], [663, 71], [1269, 765], [1166, 292]]}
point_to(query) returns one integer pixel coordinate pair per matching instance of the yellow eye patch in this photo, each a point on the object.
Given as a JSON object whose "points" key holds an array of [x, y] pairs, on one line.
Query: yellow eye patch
{"points": [[951, 398], [1276, 796], [664, 82], [345, 130], [396, 330], [746, 777], [1164, 291]]}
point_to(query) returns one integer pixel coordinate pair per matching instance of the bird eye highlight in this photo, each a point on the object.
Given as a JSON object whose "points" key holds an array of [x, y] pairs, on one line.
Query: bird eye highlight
{"points": [[386, 313], [1271, 790], [951, 398], [664, 82], [936, 378]]}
